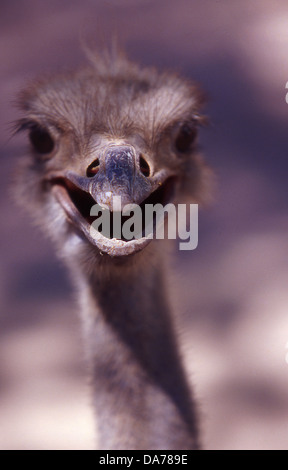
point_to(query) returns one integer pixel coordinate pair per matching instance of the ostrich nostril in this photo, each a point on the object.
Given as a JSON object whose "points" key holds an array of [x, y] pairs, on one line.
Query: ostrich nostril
{"points": [[144, 167], [93, 169]]}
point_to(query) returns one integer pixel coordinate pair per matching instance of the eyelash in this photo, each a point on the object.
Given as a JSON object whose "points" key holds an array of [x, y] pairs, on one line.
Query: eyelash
{"points": [[40, 138]]}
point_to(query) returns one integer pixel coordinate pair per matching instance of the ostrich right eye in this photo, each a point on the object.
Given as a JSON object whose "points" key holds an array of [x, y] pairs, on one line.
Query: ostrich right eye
{"points": [[185, 139], [41, 140]]}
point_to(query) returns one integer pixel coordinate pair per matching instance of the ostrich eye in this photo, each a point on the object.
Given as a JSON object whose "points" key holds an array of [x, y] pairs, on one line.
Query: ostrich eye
{"points": [[186, 138], [41, 140]]}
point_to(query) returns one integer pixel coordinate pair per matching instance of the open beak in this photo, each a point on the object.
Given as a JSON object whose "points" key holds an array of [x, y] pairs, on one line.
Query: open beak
{"points": [[117, 180]]}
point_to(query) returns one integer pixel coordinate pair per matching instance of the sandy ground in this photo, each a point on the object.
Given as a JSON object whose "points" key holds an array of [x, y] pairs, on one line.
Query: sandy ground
{"points": [[231, 292]]}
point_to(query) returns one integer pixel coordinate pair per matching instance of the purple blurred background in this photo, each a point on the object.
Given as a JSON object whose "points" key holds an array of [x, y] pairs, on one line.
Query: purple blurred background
{"points": [[231, 293]]}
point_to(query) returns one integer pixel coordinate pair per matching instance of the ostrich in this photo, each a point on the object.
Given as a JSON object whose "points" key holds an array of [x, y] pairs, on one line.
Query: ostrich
{"points": [[112, 129]]}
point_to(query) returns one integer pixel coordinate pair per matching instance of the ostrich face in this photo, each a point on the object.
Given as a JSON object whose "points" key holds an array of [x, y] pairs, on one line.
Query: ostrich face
{"points": [[106, 132]]}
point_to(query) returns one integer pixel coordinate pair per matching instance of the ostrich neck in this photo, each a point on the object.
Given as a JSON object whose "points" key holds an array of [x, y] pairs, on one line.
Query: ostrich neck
{"points": [[140, 394]]}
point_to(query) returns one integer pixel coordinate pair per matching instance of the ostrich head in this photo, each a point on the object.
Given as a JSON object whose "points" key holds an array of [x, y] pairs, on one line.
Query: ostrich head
{"points": [[111, 129]]}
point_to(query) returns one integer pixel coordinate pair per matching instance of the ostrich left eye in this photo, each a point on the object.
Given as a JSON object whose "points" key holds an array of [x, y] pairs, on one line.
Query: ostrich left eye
{"points": [[41, 140], [185, 139]]}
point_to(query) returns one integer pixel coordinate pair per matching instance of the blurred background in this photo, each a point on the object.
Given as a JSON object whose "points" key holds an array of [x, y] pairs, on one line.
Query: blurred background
{"points": [[231, 292]]}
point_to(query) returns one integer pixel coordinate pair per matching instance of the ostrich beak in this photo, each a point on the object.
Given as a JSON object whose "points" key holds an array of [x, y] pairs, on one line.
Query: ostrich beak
{"points": [[117, 178], [115, 182]]}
